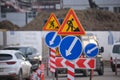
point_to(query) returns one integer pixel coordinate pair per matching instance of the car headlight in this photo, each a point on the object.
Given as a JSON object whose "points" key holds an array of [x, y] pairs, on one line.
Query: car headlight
{"points": [[36, 57], [40, 57], [99, 55]]}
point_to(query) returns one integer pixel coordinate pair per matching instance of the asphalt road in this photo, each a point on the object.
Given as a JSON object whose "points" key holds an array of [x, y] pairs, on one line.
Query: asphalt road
{"points": [[108, 75]]}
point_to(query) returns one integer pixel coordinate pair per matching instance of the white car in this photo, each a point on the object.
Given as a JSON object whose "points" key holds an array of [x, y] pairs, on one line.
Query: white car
{"points": [[30, 53], [14, 65], [115, 56]]}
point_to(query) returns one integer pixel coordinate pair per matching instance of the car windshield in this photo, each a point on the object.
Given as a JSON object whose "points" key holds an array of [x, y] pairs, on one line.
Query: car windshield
{"points": [[116, 49]]}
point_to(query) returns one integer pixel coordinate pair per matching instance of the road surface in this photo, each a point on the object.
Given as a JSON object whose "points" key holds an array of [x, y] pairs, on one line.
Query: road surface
{"points": [[108, 75]]}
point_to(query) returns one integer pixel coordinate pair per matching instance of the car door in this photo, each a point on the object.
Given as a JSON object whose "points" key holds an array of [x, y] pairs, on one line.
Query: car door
{"points": [[116, 53], [22, 64]]}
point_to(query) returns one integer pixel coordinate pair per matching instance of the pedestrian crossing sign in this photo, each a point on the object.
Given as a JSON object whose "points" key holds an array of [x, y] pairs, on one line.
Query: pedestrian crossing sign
{"points": [[71, 25], [52, 23]]}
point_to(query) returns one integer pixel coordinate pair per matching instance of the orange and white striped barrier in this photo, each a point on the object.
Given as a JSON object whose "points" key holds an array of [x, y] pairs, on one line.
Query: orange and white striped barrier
{"points": [[34, 76], [38, 74], [71, 70], [42, 71], [52, 59]]}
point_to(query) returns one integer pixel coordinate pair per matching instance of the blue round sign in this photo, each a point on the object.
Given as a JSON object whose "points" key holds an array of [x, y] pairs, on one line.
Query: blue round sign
{"points": [[91, 50], [52, 39], [71, 47]]}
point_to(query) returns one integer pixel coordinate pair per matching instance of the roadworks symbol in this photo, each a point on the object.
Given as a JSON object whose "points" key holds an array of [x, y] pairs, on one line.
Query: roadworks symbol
{"points": [[52, 23], [71, 26]]}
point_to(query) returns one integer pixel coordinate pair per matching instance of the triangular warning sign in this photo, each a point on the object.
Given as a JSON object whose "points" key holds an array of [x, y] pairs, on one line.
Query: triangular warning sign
{"points": [[52, 23], [71, 25]]}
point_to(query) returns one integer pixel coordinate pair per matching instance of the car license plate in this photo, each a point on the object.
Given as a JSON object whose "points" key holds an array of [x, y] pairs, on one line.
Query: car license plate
{"points": [[1, 69]]}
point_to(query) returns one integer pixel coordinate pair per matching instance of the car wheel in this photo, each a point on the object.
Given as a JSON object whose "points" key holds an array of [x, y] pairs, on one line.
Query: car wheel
{"points": [[29, 75], [101, 70], [19, 76], [112, 67]]}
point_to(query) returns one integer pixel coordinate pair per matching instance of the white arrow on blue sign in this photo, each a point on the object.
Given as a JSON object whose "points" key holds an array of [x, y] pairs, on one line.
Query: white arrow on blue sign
{"points": [[52, 39], [71, 47], [91, 50]]}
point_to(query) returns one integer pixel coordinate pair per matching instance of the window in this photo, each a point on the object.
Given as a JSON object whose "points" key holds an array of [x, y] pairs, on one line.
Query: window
{"points": [[117, 9], [3, 15], [34, 50], [29, 51], [19, 56], [104, 8], [5, 57], [116, 49], [31, 14]]}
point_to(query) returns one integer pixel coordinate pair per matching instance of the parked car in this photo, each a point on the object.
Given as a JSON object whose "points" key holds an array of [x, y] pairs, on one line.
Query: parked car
{"points": [[30, 53], [14, 65], [115, 54]]}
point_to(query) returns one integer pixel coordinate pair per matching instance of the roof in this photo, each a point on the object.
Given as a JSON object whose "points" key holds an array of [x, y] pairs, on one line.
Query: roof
{"points": [[117, 43], [8, 51]]}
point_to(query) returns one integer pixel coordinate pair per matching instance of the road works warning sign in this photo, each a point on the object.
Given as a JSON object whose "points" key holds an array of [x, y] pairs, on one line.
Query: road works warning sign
{"points": [[52, 24], [71, 25]]}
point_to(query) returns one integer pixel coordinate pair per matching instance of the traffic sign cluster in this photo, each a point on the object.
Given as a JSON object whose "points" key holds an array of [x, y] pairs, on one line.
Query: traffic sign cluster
{"points": [[70, 46]]}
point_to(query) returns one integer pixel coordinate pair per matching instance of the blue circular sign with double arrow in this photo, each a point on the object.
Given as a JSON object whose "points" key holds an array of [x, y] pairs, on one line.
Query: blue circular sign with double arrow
{"points": [[52, 39], [70, 47], [91, 50]]}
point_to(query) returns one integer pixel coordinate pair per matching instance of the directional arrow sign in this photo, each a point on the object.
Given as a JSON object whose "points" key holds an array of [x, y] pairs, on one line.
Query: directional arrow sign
{"points": [[85, 63], [61, 62], [71, 47], [68, 52], [52, 39], [91, 50]]}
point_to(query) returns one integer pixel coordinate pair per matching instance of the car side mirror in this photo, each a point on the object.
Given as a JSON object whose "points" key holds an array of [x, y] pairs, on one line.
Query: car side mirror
{"points": [[101, 50], [24, 58]]}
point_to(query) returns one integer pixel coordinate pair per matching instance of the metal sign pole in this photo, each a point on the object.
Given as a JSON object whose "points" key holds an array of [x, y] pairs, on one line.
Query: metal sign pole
{"points": [[91, 75], [56, 74], [116, 66]]}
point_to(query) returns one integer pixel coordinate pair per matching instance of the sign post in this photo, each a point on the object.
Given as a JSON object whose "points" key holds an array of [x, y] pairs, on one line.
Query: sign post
{"points": [[52, 39], [71, 46], [70, 49]]}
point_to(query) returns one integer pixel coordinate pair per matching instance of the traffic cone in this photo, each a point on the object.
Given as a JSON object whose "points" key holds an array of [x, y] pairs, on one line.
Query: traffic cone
{"points": [[42, 71], [42, 76]]}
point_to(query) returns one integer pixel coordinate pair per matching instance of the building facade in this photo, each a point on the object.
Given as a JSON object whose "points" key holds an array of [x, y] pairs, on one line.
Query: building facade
{"points": [[111, 5]]}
